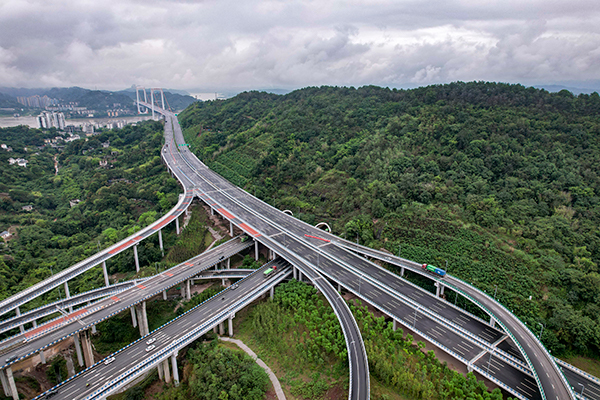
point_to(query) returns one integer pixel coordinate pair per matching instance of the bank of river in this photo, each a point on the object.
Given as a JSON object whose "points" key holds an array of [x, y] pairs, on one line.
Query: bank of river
{"points": [[31, 121]]}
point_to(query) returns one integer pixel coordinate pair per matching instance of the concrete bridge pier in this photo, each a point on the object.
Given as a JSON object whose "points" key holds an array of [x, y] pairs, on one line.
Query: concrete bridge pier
{"points": [[86, 342], [395, 325], [339, 288], [272, 291], [42, 357], [8, 383], [439, 289], [160, 243], [142, 318], [230, 228], [133, 318], [78, 350], [68, 294], [221, 328], [93, 326], [256, 250], [159, 368], [34, 323], [294, 272], [137, 261], [175, 372], [164, 294], [177, 225], [5, 384], [188, 291], [166, 372], [492, 322], [401, 271], [18, 312], [229, 263], [231, 325], [105, 272]]}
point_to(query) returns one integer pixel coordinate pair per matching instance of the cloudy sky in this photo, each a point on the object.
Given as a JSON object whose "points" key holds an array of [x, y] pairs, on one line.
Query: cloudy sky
{"points": [[245, 44]]}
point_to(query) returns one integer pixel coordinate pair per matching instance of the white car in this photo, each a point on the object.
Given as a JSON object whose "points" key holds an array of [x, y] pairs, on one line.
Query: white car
{"points": [[150, 348], [109, 361], [151, 340]]}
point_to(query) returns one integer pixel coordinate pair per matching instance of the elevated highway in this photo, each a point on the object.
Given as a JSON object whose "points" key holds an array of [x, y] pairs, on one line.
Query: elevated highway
{"points": [[245, 209], [321, 261], [103, 379], [36, 340]]}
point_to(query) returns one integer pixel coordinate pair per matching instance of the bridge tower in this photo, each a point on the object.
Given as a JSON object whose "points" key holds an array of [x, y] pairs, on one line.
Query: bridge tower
{"points": [[162, 98], [141, 109]]}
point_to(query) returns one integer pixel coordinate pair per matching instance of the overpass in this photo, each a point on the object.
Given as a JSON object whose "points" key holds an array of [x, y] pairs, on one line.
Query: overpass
{"points": [[246, 210], [103, 379], [79, 322], [223, 199]]}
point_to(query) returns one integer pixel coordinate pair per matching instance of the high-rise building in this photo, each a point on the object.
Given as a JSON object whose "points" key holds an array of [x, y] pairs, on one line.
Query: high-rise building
{"points": [[58, 120], [47, 120]]}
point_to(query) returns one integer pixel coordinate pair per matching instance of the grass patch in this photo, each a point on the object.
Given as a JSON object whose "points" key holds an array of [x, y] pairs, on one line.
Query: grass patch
{"points": [[589, 365]]}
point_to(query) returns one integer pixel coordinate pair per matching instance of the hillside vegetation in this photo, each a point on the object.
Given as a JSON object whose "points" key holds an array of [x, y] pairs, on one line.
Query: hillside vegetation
{"points": [[131, 191], [499, 181]]}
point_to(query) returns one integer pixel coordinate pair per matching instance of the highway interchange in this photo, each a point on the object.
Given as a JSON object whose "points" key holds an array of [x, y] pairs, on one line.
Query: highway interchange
{"points": [[324, 257], [96, 381], [263, 218], [45, 336], [55, 280]]}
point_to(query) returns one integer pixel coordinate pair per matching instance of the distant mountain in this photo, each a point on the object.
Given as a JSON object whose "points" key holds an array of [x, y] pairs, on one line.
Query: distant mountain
{"points": [[7, 101], [98, 100], [575, 90]]}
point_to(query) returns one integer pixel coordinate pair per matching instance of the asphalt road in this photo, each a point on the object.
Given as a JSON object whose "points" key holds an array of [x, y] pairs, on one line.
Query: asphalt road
{"points": [[264, 231], [126, 359], [57, 279], [115, 304], [75, 300], [548, 373]]}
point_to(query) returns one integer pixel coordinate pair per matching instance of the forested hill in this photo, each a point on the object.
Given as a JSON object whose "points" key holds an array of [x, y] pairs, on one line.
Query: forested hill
{"points": [[107, 187], [500, 181]]}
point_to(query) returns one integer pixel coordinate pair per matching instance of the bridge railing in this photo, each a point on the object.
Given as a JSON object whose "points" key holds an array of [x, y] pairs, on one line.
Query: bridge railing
{"points": [[89, 325], [167, 351], [509, 332]]}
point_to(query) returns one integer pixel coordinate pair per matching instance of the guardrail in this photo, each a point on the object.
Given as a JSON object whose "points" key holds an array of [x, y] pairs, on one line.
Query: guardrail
{"points": [[63, 276], [186, 277], [159, 357], [75, 300]]}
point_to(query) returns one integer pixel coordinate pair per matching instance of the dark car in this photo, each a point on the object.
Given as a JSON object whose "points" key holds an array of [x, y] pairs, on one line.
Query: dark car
{"points": [[11, 358]]}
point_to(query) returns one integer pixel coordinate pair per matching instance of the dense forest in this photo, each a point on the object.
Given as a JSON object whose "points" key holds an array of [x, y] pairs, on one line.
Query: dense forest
{"points": [[500, 183], [121, 185]]}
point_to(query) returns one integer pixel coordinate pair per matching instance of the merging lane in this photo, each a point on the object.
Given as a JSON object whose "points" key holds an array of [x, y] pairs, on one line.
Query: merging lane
{"points": [[550, 379], [53, 332]]}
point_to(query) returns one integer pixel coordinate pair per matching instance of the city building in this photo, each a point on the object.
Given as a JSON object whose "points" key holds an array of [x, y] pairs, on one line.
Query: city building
{"points": [[21, 162], [47, 120]]}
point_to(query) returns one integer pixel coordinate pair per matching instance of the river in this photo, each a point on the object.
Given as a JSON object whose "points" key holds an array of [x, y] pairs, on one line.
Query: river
{"points": [[31, 121]]}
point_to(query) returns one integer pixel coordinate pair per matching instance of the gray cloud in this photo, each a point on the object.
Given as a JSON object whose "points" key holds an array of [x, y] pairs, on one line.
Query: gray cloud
{"points": [[290, 43]]}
